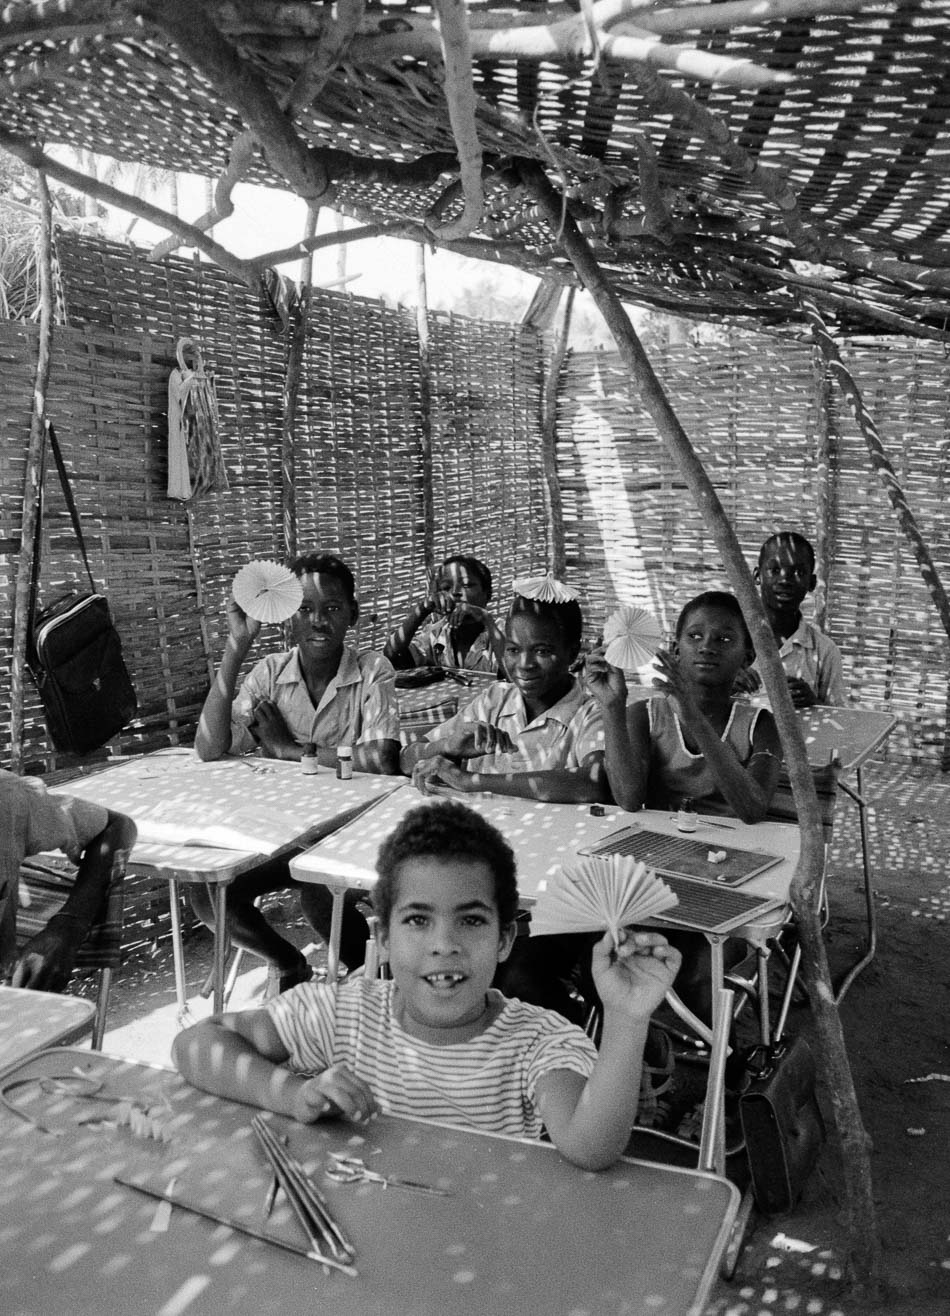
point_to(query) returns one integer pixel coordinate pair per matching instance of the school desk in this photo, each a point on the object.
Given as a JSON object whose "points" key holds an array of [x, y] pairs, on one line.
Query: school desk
{"points": [[519, 1230], [209, 822], [30, 1021], [545, 836]]}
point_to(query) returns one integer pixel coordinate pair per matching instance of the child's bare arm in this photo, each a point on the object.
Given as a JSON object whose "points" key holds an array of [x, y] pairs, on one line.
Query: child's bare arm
{"points": [[213, 737], [241, 1057], [626, 733], [586, 784], [590, 1122]]}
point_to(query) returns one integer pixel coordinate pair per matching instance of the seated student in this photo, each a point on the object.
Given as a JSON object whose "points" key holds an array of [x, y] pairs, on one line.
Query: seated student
{"points": [[691, 741], [95, 839], [812, 661], [438, 1042], [540, 737], [451, 626], [321, 692]]}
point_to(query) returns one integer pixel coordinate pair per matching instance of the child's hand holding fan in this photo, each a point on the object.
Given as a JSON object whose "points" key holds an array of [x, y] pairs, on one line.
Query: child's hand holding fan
{"points": [[600, 893]]}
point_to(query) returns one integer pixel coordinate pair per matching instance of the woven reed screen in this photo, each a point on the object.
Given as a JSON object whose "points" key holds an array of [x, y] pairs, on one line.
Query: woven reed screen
{"points": [[358, 478], [754, 409]]}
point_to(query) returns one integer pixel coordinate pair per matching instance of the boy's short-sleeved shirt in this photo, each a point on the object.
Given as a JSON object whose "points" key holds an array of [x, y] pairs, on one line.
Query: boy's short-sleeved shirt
{"points": [[812, 656], [358, 706], [564, 736], [433, 645], [31, 822], [493, 1078]]}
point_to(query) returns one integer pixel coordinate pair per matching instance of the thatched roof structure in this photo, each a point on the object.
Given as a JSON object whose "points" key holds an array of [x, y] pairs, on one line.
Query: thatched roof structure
{"points": [[719, 158]]}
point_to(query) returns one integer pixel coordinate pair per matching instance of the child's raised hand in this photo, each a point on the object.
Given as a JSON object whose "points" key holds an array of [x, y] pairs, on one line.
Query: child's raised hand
{"points": [[243, 629], [337, 1091], [635, 976], [606, 683]]}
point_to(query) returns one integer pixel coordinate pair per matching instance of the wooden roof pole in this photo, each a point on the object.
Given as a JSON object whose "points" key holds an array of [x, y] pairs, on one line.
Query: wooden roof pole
{"points": [[552, 486], [864, 1261], [34, 474]]}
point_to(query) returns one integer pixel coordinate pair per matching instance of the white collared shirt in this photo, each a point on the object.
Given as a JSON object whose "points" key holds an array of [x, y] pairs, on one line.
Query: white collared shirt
{"points": [[358, 706], [812, 656], [562, 737]]}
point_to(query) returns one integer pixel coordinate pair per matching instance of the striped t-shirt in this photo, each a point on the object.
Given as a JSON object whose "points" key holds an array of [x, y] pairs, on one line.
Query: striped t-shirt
{"points": [[490, 1082]]}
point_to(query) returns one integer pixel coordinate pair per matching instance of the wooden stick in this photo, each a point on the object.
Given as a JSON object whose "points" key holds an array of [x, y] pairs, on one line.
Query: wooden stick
{"points": [[310, 1205], [237, 1225]]}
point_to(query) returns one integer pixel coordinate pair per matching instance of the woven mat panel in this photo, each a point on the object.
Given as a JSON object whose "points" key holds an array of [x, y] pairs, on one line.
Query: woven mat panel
{"points": [[358, 455], [168, 567], [487, 480], [107, 399], [751, 409]]}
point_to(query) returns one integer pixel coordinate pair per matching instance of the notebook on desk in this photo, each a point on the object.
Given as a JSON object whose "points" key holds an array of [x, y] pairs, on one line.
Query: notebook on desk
{"points": [[681, 856], [708, 900]]}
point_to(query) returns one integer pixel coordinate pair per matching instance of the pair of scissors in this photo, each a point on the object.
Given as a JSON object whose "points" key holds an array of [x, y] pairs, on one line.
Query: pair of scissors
{"points": [[352, 1169]]}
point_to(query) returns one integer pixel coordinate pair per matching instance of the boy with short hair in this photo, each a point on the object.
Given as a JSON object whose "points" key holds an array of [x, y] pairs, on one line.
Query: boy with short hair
{"points": [[539, 737], [812, 661], [438, 1041]]}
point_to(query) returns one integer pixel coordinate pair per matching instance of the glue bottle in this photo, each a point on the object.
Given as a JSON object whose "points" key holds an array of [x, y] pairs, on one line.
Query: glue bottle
{"points": [[686, 820], [344, 762], [309, 763]]}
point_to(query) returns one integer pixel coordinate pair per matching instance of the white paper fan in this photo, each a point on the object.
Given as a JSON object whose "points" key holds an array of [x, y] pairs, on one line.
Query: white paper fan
{"points": [[632, 636], [600, 892], [267, 591], [544, 588]]}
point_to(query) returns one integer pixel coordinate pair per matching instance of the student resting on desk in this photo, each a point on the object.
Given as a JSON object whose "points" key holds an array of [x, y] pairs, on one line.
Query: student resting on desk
{"points": [[451, 626], [321, 692], [539, 737], [691, 741], [812, 661], [97, 840], [437, 1041]]}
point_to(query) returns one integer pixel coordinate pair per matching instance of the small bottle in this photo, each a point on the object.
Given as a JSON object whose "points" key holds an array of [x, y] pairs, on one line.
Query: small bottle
{"points": [[344, 762], [309, 763], [686, 820]]}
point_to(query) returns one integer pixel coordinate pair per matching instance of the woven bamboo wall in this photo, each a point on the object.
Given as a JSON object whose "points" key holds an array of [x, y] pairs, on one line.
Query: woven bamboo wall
{"points": [[755, 411], [167, 568]]}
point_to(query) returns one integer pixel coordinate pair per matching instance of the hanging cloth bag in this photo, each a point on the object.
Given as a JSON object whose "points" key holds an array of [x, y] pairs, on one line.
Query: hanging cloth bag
{"points": [[195, 464], [73, 650]]}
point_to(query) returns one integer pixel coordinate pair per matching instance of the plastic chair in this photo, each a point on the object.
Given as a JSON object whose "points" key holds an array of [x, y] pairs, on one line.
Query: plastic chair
{"points": [[46, 883]]}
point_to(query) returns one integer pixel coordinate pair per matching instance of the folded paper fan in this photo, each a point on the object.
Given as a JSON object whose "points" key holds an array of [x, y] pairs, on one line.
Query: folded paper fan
{"points": [[632, 636], [544, 588], [267, 591], [597, 893]]}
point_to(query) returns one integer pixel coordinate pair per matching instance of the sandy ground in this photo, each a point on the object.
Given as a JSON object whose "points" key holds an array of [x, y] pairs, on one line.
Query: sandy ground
{"points": [[895, 1023]]}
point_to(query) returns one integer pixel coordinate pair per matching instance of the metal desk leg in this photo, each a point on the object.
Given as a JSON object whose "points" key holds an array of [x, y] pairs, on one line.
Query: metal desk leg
{"points": [[712, 1142], [336, 931], [221, 943], [871, 913], [178, 954]]}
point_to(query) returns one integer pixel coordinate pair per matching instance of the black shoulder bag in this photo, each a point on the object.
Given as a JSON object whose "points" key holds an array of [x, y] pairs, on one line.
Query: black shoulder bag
{"points": [[74, 651]]}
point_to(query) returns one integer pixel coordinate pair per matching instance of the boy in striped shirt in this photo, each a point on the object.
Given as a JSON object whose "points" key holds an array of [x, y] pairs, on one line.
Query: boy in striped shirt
{"points": [[438, 1041]]}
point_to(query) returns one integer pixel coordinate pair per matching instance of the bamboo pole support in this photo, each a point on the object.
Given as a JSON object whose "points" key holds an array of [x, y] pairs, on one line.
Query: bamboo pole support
{"points": [[427, 508], [34, 473], [864, 1259]]}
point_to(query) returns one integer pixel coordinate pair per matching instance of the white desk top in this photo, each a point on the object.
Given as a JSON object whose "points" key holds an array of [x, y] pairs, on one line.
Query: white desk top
{"points": [[521, 1230], [543, 836], [257, 806], [30, 1021]]}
